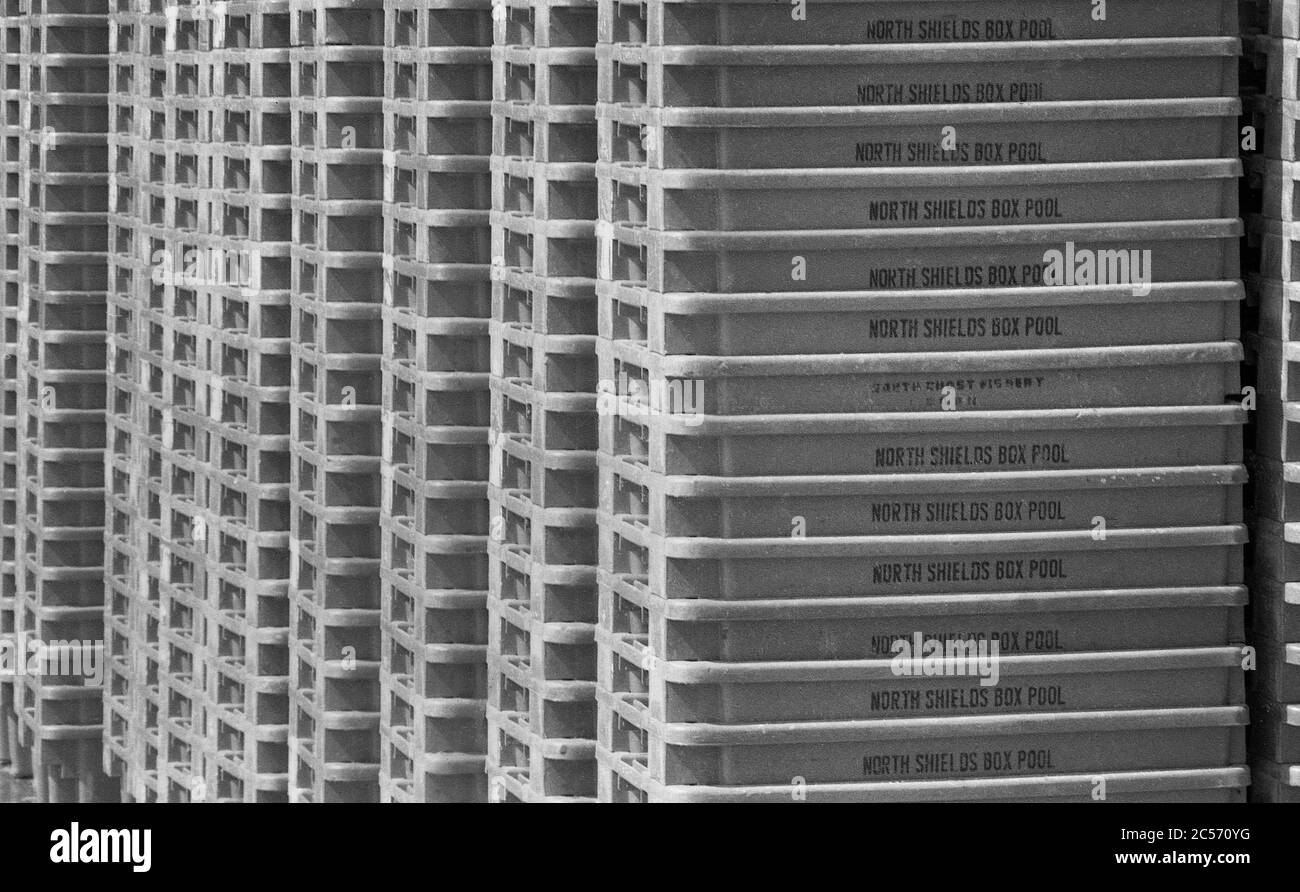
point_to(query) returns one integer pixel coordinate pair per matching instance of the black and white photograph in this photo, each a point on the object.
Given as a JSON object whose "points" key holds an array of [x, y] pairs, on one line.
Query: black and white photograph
{"points": [[877, 403]]}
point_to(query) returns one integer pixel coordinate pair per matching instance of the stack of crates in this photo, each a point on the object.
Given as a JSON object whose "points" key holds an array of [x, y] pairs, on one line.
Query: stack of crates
{"points": [[11, 130], [337, 110], [175, 341], [246, 214], [137, 43], [437, 303], [1273, 274], [59, 527], [867, 438], [542, 592]]}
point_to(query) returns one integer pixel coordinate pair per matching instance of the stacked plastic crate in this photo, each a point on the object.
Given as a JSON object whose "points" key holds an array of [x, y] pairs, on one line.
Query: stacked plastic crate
{"points": [[1271, 284], [246, 217], [137, 41], [11, 130], [61, 387], [895, 502], [437, 302], [542, 596], [336, 426]]}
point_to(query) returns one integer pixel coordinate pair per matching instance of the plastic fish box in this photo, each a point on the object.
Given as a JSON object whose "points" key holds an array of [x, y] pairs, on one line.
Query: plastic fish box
{"points": [[558, 478], [741, 22], [848, 505], [873, 566], [555, 363], [911, 74], [549, 421], [546, 304], [553, 23], [992, 380], [555, 536], [898, 443], [554, 76], [547, 191], [558, 658], [561, 248], [765, 323], [914, 136], [1115, 619], [624, 779], [925, 748], [441, 74], [861, 198], [547, 133], [524, 766], [941, 258], [743, 693]]}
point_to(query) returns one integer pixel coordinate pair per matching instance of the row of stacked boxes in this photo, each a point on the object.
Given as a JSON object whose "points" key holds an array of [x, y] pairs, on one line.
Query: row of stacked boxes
{"points": [[11, 25], [436, 308], [60, 418], [542, 596], [337, 288], [862, 413], [246, 204], [136, 44], [1273, 47]]}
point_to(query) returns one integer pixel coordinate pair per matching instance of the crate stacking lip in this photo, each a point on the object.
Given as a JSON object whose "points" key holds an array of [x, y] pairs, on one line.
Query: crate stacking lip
{"points": [[903, 686], [1085, 377], [920, 504], [926, 748], [743, 22], [1135, 254], [628, 782], [872, 566], [766, 323], [817, 628], [858, 198], [918, 74], [910, 136]]}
